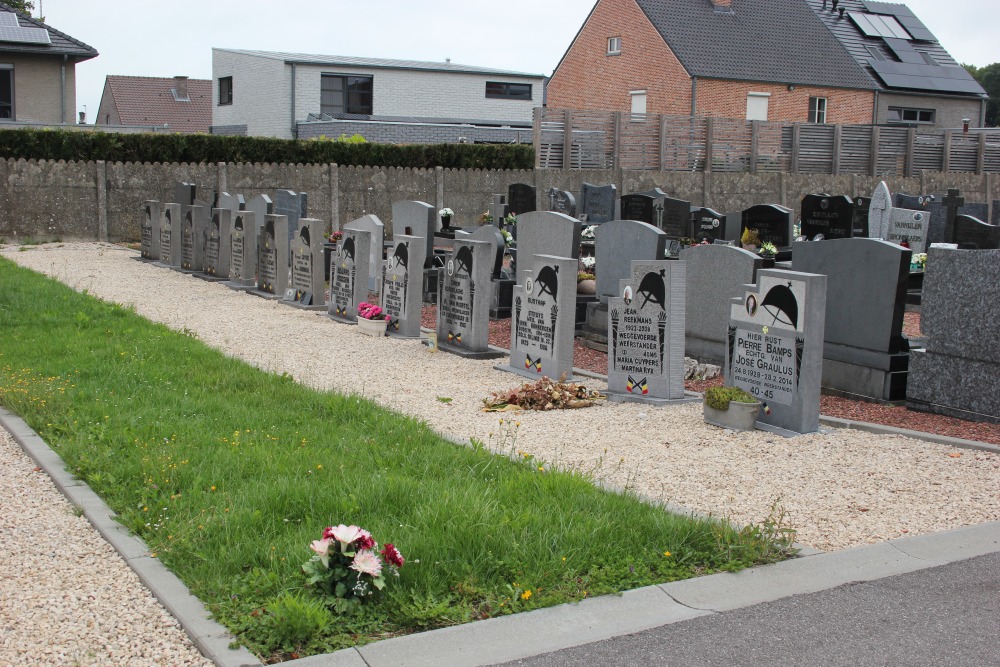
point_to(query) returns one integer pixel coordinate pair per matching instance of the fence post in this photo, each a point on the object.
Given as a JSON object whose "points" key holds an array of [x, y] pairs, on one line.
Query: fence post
{"points": [[754, 125], [439, 182], [911, 141], [709, 140], [663, 140], [616, 155], [101, 178], [946, 163], [981, 154], [568, 139], [223, 177], [838, 140], [796, 146], [536, 135], [876, 137], [333, 178]]}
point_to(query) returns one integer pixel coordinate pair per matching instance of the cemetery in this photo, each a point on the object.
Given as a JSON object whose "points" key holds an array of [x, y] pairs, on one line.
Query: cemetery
{"points": [[450, 315]]}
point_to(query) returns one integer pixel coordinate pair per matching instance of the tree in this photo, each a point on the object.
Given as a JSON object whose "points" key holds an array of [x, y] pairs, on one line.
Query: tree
{"points": [[988, 77], [23, 6]]}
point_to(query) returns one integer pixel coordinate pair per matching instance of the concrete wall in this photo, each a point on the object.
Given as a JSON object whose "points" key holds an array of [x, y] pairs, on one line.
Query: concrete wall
{"points": [[45, 200]]}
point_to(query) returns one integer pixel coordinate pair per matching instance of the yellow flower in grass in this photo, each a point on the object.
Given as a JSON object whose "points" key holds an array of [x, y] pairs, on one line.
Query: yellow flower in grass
{"points": [[525, 595]]}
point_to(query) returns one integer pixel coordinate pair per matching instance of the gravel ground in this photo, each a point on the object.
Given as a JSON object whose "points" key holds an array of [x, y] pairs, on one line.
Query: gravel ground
{"points": [[66, 597], [840, 488]]}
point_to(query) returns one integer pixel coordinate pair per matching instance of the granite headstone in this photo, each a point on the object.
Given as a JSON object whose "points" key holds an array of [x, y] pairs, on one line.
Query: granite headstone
{"points": [[402, 279], [597, 203], [465, 294], [521, 199], [562, 201], [308, 281], [243, 250], [170, 235], [974, 234], [349, 272], [376, 230], [218, 245], [826, 217], [772, 222], [545, 233], [707, 225], [149, 230], [416, 218], [272, 258]]}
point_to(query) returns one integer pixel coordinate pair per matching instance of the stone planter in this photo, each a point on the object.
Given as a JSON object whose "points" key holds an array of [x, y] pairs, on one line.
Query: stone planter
{"points": [[588, 287], [374, 328], [739, 416]]}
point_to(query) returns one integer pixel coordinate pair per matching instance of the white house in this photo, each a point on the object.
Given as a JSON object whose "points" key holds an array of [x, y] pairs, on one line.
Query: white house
{"points": [[262, 93]]}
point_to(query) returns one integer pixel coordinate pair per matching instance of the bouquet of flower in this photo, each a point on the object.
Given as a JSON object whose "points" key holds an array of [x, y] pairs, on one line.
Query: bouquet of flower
{"points": [[588, 263], [336, 236], [370, 311], [588, 233], [446, 213], [768, 249], [511, 219], [508, 238], [919, 259], [348, 565], [486, 218]]}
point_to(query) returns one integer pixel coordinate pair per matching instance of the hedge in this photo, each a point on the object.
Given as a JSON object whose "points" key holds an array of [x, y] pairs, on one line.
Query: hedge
{"points": [[204, 148]]}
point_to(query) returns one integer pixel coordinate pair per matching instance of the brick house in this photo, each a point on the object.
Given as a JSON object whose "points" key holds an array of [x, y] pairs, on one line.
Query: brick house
{"points": [[810, 61], [290, 95], [178, 103], [37, 70]]}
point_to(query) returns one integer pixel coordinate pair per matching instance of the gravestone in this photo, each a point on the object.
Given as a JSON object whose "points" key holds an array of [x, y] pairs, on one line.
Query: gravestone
{"points": [[376, 230], [218, 245], [597, 203], [707, 225], [498, 209], [232, 202], [775, 349], [974, 234], [675, 219], [170, 235], [827, 217], [308, 282], [716, 274], [149, 231], [879, 212], [860, 227], [618, 244], [995, 217], [185, 193], [192, 239], [908, 228], [521, 199], [546, 233], [261, 206], [639, 207], [864, 353], [243, 251], [772, 222], [416, 218], [561, 201], [465, 293], [957, 373], [502, 284], [349, 271], [402, 279], [272, 258], [543, 321], [646, 335], [294, 206]]}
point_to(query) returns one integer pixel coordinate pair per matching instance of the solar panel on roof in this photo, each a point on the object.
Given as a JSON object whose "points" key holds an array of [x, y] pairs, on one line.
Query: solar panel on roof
{"points": [[902, 50], [874, 25], [905, 17], [926, 77], [11, 31]]}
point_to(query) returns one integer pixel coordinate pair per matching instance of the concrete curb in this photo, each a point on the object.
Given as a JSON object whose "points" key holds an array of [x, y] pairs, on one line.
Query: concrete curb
{"points": [[211, 638], [837, 422]]}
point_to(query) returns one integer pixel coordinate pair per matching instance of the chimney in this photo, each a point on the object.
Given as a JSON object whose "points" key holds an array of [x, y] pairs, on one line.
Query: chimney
{"points": [[181, 89], [723, 6], [83, 118]]}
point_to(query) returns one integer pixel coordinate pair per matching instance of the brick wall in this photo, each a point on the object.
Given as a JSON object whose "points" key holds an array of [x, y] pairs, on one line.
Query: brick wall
{"points": [[38, 88], [728, 99], [589, 78]]}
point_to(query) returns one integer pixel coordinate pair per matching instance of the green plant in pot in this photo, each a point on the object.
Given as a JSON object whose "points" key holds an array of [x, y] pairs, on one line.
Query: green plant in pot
{"points": [[731, 407]]}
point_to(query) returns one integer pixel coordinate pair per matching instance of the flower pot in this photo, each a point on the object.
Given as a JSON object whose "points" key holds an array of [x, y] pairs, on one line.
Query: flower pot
{"points": [[374, 328], [739, 416], [767, 262], [586, 287]]}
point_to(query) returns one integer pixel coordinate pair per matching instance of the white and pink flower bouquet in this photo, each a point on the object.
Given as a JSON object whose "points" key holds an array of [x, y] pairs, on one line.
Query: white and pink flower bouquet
{"points": [[370, 311], [349, 566]]}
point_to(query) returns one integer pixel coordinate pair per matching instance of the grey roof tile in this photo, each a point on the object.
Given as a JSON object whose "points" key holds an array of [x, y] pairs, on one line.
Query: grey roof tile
{"points": [[62, 44], [761, 40]]}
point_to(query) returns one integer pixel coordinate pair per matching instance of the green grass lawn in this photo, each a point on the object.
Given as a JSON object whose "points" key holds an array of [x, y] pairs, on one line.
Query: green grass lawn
{"points": [[228, 473]]}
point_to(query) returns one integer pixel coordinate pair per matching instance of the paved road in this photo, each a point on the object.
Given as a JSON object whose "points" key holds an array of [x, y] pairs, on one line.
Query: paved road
{"points": [[946, 615]]}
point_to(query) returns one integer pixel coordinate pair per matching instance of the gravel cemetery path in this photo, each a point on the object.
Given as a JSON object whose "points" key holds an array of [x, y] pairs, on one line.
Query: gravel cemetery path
{"points": [[841, 488]]}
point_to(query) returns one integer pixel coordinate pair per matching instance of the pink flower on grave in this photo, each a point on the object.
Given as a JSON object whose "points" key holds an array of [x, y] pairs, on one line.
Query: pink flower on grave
{"points": [[364, 541], [321, 547], [367, 562], [392, 555], [342, 533]]}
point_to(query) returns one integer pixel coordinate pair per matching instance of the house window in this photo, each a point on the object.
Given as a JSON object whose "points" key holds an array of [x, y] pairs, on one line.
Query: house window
{"points": [[508, 91], [6, 92], [757, 106], [817, 109], [346, 94], [614, 46], [638, 102], [904, 115], [225, 90]]}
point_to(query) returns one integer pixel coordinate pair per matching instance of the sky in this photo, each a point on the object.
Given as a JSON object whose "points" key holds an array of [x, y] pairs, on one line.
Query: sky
{"points": [[160, 38]]}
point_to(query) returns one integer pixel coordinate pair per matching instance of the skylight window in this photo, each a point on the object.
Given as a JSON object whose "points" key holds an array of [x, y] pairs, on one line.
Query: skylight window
{"points": [[879, 25]]}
